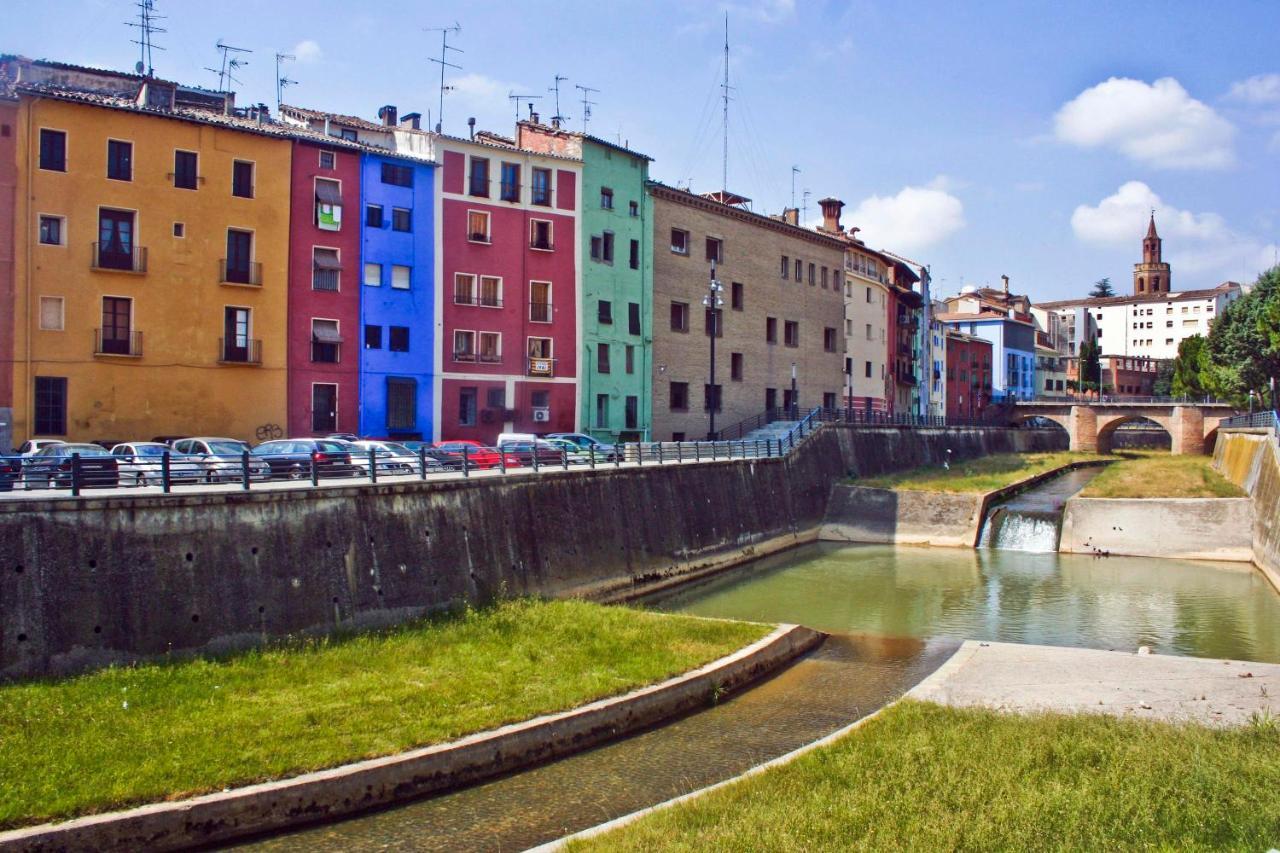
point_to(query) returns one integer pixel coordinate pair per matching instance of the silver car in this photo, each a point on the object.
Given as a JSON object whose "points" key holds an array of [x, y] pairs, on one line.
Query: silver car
{"points": [[141, 463], [393, 458], [222, 458]]}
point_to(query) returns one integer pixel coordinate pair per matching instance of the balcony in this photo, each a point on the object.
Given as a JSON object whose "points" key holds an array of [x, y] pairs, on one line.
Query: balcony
{"points": [[542, 245], [482, 300], [132, 259], [490, 358], [249, 274], [540, 312], [239, 351], [539, 366], [464, 355], [115, 342], [324, 279]]}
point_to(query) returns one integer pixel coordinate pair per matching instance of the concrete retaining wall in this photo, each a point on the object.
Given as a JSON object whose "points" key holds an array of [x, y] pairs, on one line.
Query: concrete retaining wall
{"points": [[1181, 528], [96, 580], [1251, 460], [860, 514]]}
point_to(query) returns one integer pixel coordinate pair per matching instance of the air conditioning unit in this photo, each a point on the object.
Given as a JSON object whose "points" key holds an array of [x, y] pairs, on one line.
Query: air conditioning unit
{"points": [[541, 416], [509, 414]]}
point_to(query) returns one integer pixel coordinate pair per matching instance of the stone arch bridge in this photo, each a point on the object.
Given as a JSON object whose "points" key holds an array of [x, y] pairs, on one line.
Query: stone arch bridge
{"points": [[1091, 425]]}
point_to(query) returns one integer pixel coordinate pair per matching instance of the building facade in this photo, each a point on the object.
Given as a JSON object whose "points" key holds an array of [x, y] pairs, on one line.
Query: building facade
{"points": [[968, 384], [781, 321], [616, 237], [8, 204], [1013, 355]]}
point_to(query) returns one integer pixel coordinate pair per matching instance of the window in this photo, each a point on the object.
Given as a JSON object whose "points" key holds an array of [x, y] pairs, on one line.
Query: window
{"points": [[632, 412], [606, 253], [53, 152], [372, 337], [510, 189], [540, 361], [710, 397], [771, 330], [715, 250], [400, 276], [604, 311], [791, 333], [496, 398], [679, 241], [236, 343], [635, 255], [179, 230], [540, 301], [713, 321], [51, 230], [464, 345], [798, 269], [829, 339], [467, 406], [477, 226], [328, 205], [401, 219], [606, 198], [602, 411], [398, 338], [868, 370], [184, 170], [51, 314], [51, 405], [541, 191], [596, 247], [464, 289], [402, 404], [679, 397], [373, 275], [540, 234], [602, 358], [324, 341], [868, 296], [242, 179], [735, 366], [786, 267], [824, 278], [239, 262], [679, 316], [373, 215], [325, 268], [771, 398], [490, 291], [870, 336], [813, 274], [633, 208], [490, 347], [737, 299], [630, 356], [348, 134], [633, 318], [397, 175], [328, 160], [119, 160], [478, 178], [540, 399]]}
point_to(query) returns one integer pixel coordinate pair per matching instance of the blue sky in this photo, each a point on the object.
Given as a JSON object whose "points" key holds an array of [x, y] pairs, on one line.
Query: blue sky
{"points": [[1028, 139]]}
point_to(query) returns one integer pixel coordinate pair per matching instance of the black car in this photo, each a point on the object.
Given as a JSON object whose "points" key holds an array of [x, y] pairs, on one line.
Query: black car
{"points": [[292, 458], [51, 467], [525, 451], [10, 470]]}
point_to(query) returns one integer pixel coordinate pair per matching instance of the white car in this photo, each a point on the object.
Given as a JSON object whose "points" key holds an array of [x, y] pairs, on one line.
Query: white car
{"points": [[392, 458], [32, 446], [222, 459], [141, 463]]}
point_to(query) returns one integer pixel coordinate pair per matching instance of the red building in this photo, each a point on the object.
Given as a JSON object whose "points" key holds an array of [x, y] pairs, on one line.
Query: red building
{"points": [[968, 385], [324, 289], [509, 289]]}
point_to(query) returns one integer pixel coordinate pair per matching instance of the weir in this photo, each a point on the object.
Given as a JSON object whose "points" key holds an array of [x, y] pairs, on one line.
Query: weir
{"points": [[1032, 520]]}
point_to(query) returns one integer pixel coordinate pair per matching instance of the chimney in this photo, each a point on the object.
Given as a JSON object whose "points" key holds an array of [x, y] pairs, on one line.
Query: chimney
{"points": [[555, 122], [411, 121], [1005, 279], [388, 115], [791, 215], [533, 117], [471, 126], [831, 208]]}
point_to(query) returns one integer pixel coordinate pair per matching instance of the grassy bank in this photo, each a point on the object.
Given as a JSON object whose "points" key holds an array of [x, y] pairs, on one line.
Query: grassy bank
{"points": [[153, 732], [924, 777], [976, 475], [1147, 474]]}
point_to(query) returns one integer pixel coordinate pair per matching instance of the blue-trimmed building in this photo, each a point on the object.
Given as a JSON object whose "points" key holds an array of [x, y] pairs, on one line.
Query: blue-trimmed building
{"points": [[1013, 357]]}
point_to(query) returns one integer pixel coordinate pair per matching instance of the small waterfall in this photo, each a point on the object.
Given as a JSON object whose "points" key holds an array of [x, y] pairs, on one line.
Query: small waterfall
{"points": [[1022, 530]]}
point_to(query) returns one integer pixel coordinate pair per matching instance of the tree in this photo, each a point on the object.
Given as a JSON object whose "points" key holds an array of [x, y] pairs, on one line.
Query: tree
{"points": [[1090, 366], [1102, 287], [1243, 349], [1188, 368], [1163, 386]]}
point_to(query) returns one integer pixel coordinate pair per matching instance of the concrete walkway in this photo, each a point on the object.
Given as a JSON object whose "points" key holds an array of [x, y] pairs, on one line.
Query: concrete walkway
{"points": [[1022, 679]]}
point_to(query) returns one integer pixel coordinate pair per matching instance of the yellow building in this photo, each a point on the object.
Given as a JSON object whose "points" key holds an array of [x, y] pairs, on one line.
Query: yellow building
{"points": [[151, 259]]}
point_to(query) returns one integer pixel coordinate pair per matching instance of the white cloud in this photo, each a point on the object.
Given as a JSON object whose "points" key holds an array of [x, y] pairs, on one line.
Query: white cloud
{"points": [[914, 219], [1258, 89], [1156, 124], [1201, 245], [307, 51], [486, 99]]}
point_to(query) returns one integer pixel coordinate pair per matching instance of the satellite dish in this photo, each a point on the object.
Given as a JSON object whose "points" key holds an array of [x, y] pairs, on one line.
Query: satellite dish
{"points": [[138, 66]]}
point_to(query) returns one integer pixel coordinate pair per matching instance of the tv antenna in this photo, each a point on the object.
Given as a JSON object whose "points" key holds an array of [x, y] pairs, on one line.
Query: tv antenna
{"points": [[587, 103], [724, 94], [804, 206], [557, 119], [231, 62], [281, 81], [517, 98], [444, 63], [795, 170], [146, 27]]}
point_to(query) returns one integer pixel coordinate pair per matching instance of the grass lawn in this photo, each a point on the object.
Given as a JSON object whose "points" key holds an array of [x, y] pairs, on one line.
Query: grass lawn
{"points": [[130, 735], [925, 777], [975, 475], [1146, 474]]}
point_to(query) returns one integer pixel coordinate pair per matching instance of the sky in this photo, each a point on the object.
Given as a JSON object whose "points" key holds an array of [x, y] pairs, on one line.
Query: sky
{"points": [[1025, 139]]}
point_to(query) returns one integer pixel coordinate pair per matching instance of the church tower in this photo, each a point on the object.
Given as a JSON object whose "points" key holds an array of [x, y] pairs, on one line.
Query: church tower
{"points": [[1152, 275]]}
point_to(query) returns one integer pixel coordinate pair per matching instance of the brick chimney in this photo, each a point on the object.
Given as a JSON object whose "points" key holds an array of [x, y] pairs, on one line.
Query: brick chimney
{"points": [[791, 215], [831, 208], [387, 115], [411, 121]]}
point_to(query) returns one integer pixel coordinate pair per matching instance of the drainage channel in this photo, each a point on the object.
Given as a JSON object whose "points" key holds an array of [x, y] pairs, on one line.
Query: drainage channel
{"points": [[846, 678]]}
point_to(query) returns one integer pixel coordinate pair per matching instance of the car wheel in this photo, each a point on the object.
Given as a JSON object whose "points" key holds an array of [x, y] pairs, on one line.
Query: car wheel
{"points": [[296, 473]]}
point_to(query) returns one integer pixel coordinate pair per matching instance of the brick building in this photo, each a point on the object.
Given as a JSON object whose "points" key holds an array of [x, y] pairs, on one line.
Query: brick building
{"points": [[968, 386], [783, 306]]}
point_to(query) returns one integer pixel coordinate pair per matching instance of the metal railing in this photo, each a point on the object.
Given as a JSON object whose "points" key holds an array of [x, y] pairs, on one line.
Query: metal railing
{"points": [[540, 312], [323, 278], [239, 351], [1085, 397], [1254, 420], [483, 300], [132, 259], [250, 273], [113, 342]]}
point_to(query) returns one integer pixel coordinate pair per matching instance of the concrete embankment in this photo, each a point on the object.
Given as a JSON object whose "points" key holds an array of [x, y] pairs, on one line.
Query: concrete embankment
{"points": [[96, 580], [1179, 528], [1251, 460]]}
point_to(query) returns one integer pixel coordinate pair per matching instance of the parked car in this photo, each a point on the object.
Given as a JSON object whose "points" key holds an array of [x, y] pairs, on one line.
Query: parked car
{"points": [[292, 458], [543, 451], [344, 436], [477, 454], [577, 456], [10, 471], [50, 467], [30, 446], [221, 458], [508, 437], [585, 442], [392, 462], [141, 463], [448, 461]]}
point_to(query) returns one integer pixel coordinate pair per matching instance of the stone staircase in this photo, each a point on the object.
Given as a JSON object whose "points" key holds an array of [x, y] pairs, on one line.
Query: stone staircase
{"points": [[771, 431]]}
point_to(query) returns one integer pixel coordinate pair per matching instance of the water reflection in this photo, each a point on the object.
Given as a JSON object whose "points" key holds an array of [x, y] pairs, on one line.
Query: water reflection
{"points": [[1175, 606]]}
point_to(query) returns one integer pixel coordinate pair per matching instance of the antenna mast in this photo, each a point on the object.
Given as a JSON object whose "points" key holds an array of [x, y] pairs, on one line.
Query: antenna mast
{"points": [[795, 170], [517, 98], [724, 162], [146, 26], [281, 82], [804, 206], [444, 63], [229, 64], [558, 119], [587, 104]]}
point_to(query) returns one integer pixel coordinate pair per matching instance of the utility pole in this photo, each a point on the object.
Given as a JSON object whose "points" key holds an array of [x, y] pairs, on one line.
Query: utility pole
{"points": [[281, 82], [557, 120], [444, 63], [146, 27], [587, 103]]}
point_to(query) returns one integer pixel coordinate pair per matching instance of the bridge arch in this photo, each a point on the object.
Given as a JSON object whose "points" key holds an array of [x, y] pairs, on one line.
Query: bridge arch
{"points": [[1138, 432], [1107, 425]]}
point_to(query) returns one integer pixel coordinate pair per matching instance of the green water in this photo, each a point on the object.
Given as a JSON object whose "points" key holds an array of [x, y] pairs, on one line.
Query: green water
{"points": [[1219, 610]]}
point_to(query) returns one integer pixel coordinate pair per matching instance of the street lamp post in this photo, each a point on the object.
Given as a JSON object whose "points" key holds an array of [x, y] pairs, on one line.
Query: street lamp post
{"points": [[713, 302], [795, 400]]}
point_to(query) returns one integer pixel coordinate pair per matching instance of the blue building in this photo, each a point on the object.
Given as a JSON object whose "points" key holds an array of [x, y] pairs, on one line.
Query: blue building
{"points": [[1013, 356], [397, 297]]}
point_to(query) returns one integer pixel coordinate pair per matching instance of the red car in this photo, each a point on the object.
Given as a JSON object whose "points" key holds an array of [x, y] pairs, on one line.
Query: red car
{"points": [[478, 455]]}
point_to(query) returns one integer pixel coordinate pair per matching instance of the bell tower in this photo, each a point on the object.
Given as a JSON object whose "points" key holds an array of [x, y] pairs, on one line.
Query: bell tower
{"points": [[1152, 275]]}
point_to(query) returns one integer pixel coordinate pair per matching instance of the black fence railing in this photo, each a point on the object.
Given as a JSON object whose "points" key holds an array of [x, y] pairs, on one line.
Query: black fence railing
{"points": [[241, 273], [121, 259], [239, 351], [116, 342]]}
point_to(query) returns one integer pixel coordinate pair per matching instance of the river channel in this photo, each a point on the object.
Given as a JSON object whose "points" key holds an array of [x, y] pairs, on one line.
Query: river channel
{"points": [[894, 614]]}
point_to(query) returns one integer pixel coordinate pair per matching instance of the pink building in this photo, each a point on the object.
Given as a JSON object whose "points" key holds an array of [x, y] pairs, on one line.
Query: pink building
{"points": [[509, 292]]}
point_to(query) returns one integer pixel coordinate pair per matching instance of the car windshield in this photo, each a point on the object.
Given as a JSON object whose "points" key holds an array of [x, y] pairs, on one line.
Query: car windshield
{"points": [[227, 448], [82, 449], [397, 449]]}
